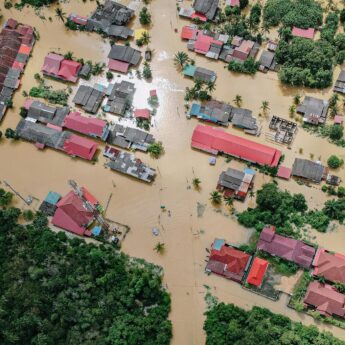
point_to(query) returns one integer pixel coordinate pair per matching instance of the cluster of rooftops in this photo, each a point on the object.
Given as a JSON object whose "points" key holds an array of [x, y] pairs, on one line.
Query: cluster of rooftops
{"points": [[16, 43], [234, 264]]}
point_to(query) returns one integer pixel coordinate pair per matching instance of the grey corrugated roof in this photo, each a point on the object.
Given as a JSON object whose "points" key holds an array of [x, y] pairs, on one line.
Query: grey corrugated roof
{"points": [[231, 178], [266, 59], [308, 170], [204, 74], [125, 54], [206, 7]]}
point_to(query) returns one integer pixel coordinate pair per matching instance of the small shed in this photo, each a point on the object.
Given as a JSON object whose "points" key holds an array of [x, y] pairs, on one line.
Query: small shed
{"points": [[52, 198], [284, 172]]}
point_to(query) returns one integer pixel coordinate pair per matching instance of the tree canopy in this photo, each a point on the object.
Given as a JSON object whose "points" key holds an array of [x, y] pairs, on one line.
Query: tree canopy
{"points": [[228, 324], [60, 291]]}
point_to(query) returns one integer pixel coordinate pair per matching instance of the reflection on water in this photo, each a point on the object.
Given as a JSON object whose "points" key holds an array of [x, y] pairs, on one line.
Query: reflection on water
{"points": [[186, 235]]}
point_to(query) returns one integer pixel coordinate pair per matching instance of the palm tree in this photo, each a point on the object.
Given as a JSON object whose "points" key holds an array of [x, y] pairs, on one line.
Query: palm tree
{"points": [[196, 182], [321, 280], [216, 197], [159, 248], [331, 209], [145, 37], [251, 194], [229, 201], [60, 14], [198, 83], [68, 56], [210, 86], [238, 100], [297, 99], [180, 59], [292, 110], [265, 106]]}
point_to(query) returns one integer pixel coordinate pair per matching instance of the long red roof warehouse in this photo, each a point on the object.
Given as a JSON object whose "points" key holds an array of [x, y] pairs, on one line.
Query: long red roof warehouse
{"points": [[215, 140]]}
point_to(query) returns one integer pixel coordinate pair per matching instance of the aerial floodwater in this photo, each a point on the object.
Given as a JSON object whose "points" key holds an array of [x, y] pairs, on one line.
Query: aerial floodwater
{"points": [[169, 210]]}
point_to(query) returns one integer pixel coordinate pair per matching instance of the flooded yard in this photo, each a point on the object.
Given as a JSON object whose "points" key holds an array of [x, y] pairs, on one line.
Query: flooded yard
{"points": [[192, 223]]}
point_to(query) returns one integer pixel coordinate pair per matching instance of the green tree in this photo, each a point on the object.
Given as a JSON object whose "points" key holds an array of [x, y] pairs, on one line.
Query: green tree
{"points": [[336, 132], [238, 100], [147, 72], [334, 162], [216, 197], [60, 14], [265, 106], [159, 248], [144, 16], [156, 149], [180, 59], [5, 197], [196, 182]]}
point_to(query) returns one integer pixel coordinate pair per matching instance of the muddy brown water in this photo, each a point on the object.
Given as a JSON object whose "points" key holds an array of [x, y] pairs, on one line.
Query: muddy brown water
{"points": [[137, 204]]}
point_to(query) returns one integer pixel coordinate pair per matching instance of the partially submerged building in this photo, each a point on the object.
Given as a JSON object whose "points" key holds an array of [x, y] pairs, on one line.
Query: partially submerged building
{"points": [[257, 272], [267, 62], [309, 170], [212, 111], [130, 138], [207, 8], [314, 110], [303, 33], [120, 98], [325, 299], [92, 127], [111, 19], [215, 141], [235, 183], [241, 49], [340, 83], [16, 43], [41, 112], [77, 146], [89, 98], [227, 261], [199, 73], [285, 130], [243, 118], [286, 248], [121, 58], [331, 266], [127, 164], [56, 66]]}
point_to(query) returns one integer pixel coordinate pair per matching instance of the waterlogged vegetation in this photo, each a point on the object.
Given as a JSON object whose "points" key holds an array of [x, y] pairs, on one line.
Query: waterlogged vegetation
{"points": [[46, 92], [227, 324], [57, 290]]}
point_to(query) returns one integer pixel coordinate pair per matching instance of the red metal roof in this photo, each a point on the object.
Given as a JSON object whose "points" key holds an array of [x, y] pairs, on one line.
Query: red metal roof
{"points": [[304, 33], [284, 172], [257, 272], [52, 63], [188, 32], [201, 16], [326, 299], [71, 215], [330, 266], [89, 197], [338, 119], [24, 49], [81, 147], [69, 70], [215, 140], [284, 247], [234, 3], [142, 114], [203, 43], [153, 93], [118, 66], [11, 23], [85, 125]]}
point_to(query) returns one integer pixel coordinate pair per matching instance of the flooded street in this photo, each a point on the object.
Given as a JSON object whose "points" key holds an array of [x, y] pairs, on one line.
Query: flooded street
{"points": [[185, 234]]}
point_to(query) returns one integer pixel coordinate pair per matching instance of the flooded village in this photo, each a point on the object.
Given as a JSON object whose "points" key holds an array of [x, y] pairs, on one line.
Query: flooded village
{"points": [[101, 137]]}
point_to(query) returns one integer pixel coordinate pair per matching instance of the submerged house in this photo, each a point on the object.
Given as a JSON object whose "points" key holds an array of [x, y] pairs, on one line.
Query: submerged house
{"points": [[309, 170], [212, 111], [89, 98], [331, 266], [257, 272], [207, 8], [325, 299], [40, 112], [200, 73], [92, 127], [121, 58], [227, 261], [111, 19], [340, 83], [267, 62], [235, 183], [16, 43], [286, 248], [127, 164], [72, 215], [130, 138], [120, 98], [243, 118], [314, 110], [55, 65], [215, 141], [77, 146]]}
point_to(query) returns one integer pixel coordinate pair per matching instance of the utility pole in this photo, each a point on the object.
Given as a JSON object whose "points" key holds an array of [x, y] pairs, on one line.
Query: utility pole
{"points": [[28, 200]]}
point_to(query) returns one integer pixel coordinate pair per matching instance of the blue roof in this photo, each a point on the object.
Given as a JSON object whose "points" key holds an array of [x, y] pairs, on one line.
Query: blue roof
{"points": [[52, 198], [96, 230], [189, 70], [218, 243], [249, 171], [195, 109]]}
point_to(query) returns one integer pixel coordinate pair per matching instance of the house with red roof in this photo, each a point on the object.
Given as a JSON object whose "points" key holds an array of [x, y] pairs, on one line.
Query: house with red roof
{"points": [[325, 299], [304, 33], [189, 32], [286, 248], [257, 272], [330, 266], [215, 141], [93, 127], [72, 215], [142, 114], [233, 3], [77, 146], [55, 65], [227, 261]]}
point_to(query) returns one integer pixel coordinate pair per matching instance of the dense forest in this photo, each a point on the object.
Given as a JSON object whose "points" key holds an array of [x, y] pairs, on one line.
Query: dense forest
{"points": [[228, 324], [60, 291]]}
